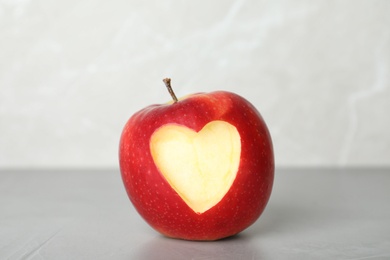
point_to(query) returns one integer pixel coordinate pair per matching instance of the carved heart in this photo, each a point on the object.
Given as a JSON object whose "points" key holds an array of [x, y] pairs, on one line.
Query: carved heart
{"points": [[200, 167]]}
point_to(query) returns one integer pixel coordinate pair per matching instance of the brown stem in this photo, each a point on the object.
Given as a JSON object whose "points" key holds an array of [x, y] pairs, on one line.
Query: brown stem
{"points": [[167, 82]]}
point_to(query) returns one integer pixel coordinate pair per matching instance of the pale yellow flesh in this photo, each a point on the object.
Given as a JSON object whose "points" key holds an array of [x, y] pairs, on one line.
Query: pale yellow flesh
{"points": [[200, 167]]}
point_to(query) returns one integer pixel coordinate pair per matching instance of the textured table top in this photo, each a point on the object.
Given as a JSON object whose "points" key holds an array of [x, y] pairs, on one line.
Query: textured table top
{"points": [[85, 214]]}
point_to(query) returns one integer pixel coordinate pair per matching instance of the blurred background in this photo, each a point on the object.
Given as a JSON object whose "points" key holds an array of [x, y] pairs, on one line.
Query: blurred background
{"points": [[73, 72]]}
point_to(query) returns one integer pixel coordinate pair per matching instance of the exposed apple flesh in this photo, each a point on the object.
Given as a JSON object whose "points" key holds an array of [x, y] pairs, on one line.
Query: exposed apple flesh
{"points": [[200, 167]]}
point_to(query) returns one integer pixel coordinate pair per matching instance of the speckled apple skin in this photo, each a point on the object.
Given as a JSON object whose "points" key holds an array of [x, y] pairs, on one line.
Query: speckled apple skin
{"points": [[159, 204]]}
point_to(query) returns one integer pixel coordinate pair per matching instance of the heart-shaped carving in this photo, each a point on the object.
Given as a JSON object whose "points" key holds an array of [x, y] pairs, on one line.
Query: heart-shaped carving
{"points": [[200, 167]]}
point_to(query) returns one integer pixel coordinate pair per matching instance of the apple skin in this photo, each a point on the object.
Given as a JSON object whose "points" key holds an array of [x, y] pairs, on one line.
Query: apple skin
{"points": [[158, 203]]}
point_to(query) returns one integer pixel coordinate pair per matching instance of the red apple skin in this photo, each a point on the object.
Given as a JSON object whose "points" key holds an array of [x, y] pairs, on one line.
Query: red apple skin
{"points": [[158, 203]]}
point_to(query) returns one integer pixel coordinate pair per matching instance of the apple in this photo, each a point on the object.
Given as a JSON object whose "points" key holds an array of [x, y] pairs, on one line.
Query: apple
{"points": [[198, 168]]}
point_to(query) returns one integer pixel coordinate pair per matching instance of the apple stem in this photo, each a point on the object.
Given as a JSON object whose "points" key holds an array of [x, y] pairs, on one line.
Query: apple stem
{"points": [[167, 82]]}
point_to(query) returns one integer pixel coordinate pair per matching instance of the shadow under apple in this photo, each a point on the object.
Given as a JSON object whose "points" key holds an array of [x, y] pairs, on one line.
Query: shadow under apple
{"points": [[236, 247]]}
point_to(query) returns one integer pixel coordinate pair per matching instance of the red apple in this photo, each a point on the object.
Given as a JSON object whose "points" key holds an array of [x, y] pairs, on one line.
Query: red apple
{"points": [[199, 168]]}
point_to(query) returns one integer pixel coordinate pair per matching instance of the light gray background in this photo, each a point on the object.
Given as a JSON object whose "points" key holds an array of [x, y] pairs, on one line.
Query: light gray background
{"points": [[73, 72]]}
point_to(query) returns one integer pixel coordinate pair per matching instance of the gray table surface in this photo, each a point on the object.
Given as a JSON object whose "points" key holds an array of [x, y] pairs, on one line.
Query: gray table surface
{"points": [[86, 214]]}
